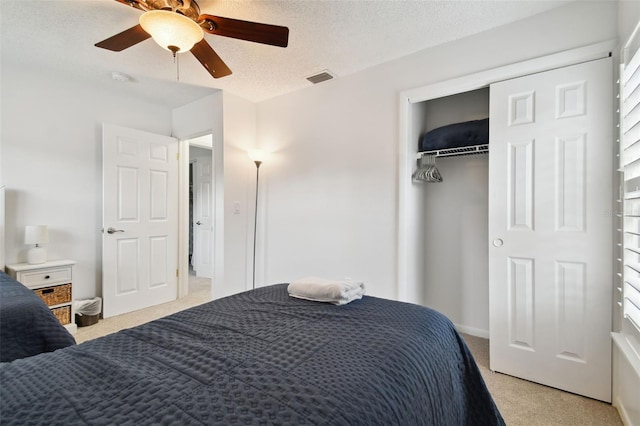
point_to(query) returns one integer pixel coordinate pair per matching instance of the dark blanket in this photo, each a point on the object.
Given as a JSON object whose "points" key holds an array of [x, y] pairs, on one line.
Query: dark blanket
{"points": [[260, 357], [27, 326], [468, 133]]}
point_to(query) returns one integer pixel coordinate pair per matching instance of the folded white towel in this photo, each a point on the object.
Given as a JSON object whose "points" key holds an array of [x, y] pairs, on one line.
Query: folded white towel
{"points": [[323, 290]]}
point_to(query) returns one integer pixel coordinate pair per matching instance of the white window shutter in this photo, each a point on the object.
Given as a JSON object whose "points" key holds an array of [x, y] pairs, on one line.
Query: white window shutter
{"points": [[630, 162]]}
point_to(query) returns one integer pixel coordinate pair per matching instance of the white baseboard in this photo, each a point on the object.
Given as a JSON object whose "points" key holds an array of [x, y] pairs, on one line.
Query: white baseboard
{"points": [[477, 332], [626, 380], [622, 411]]}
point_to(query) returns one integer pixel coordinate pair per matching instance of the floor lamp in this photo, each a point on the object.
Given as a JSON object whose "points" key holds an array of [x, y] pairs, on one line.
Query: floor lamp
{"points": [[258, 157]]}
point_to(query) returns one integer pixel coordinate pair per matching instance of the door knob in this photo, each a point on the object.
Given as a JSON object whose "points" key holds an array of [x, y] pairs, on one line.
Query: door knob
{"points": [[198, 223], [498, 242], [112, 230]]}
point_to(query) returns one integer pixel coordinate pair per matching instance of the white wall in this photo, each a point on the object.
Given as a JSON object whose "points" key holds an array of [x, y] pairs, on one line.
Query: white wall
{"points": [[204, 116], [200, 117], [628, 17], [51, 163], [332, 193], [2, 262], [239, 137]]}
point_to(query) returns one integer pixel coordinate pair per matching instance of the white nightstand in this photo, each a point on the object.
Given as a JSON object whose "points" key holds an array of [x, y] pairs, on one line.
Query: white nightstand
{"points": [[52, 281]]}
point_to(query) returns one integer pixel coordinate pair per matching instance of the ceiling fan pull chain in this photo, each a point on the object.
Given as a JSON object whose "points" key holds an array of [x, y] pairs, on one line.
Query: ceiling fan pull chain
{"points": [[176, 60]]}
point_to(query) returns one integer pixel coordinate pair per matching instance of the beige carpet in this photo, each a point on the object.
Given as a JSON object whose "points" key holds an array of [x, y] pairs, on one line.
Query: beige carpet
{"points": [[521, 403], [526, 403], [199, 292]]}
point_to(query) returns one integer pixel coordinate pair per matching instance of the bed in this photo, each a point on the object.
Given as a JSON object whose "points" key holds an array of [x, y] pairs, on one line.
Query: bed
{"points": [[27, 326], [259, 357]]}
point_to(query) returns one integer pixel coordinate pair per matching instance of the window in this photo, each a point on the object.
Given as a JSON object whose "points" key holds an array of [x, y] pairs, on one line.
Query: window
{"points": [[630, 162]]}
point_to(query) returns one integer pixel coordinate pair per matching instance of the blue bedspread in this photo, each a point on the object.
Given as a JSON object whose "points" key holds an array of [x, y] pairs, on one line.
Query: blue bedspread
{"points": [[260, 357], [27, 326]]}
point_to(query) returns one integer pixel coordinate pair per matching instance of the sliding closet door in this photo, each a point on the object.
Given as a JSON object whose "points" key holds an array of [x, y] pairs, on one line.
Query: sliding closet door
{"points": [[550, 228]]}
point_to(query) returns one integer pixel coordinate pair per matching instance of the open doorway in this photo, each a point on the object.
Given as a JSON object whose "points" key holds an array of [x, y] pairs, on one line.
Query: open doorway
{"points": [[200, 252]]}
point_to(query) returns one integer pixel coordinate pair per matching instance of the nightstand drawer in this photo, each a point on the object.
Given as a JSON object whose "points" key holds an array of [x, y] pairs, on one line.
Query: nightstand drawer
{"points": [[55, 295], [48, 277]]}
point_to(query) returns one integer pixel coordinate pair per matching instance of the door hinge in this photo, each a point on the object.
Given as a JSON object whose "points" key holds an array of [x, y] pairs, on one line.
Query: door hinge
{"points": [[177, 273], [177, 156]]}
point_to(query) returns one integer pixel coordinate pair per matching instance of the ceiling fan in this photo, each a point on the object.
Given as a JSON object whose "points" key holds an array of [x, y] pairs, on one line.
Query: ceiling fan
{"points": [[178, 26]]}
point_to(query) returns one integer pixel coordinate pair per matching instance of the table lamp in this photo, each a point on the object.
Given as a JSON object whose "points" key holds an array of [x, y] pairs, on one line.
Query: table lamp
{"points": [[36, 234]]}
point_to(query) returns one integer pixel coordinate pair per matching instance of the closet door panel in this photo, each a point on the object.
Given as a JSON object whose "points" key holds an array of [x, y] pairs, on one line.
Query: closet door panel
{"points": [[520, 184], [521, 108], [521, 303], [570, 180], [570, 99], [550, 194], [571, 285]]}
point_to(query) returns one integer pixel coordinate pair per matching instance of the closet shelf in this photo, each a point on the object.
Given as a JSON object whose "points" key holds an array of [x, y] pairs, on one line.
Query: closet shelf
{"points": [[451, 152]]}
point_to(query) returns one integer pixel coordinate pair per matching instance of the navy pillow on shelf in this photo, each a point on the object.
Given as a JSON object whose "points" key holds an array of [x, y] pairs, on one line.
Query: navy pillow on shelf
{"points": [[468, 133]]}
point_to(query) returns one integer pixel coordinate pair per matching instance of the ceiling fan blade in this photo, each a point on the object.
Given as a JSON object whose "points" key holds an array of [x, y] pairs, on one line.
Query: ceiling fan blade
{"points": [[125, 39], [132, 3], [244, 30], [210, 59]]}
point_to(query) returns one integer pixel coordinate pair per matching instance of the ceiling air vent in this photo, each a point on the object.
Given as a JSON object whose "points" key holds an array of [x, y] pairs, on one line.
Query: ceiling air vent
{"points": [[320, 77]]}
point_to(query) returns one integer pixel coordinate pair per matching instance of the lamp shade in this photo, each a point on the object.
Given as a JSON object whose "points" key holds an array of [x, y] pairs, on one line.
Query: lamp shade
{"points": [[36, 234], [171, 30], [258, 155]]}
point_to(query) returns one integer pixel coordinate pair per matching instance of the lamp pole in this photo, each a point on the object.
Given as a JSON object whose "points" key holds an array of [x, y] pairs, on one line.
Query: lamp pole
{"points": [[255, 222]]}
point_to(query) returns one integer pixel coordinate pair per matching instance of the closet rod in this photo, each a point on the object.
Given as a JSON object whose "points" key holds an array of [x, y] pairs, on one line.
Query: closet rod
{"points": [[451, 152]]}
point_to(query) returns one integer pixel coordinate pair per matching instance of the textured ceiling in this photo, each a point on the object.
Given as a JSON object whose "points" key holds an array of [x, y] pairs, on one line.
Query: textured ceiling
{"points": [[340, 36]]}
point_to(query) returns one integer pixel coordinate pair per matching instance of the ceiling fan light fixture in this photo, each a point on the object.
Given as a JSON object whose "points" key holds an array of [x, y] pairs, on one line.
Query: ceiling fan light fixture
{"points": [[172, 31]]}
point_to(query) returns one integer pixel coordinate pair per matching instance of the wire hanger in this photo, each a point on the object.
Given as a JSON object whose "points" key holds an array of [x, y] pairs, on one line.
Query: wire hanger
{"points": [[427, 170]]}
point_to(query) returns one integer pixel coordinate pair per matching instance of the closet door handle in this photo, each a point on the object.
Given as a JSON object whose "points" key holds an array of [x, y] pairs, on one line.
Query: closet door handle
{"points": [[498, 242]]}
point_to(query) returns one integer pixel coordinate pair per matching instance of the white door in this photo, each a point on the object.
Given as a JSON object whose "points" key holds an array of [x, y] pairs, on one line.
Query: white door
{"points": [[202, 217], [140, 219], [550, 227]]}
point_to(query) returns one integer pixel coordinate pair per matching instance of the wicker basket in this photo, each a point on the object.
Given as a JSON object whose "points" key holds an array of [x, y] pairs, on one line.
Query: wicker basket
{"points": [[55, 295], [63, 314]]}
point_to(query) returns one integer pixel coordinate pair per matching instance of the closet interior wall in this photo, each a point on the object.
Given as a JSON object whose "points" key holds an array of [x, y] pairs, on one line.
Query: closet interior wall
{"points": [[455, 219]]}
